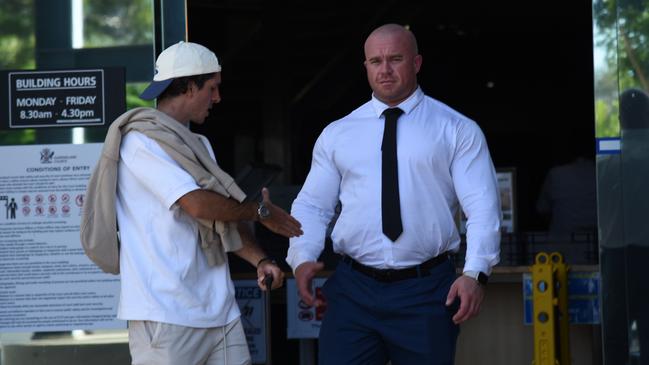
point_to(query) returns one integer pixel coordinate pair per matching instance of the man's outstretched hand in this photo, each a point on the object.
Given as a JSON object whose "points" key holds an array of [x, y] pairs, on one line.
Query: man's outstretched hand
{"points": [[279, 220]]}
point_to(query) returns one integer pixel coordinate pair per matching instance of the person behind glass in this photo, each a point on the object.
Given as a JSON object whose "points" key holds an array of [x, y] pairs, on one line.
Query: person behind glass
{"points": [[568, 199], [395, 295], [178, 297], [624, 235]]}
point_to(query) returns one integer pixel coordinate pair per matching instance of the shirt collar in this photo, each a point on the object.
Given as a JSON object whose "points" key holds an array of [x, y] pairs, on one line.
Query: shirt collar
{"points": [[407, 105]]}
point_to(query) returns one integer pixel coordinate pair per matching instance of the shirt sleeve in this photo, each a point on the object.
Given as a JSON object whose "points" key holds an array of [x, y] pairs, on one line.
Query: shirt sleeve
{"points": [[314, 206], [476, 185], [155, 169]]}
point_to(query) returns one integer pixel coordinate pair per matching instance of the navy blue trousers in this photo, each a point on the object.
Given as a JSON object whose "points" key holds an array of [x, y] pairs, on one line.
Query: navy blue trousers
{"points": [[371, 322]]}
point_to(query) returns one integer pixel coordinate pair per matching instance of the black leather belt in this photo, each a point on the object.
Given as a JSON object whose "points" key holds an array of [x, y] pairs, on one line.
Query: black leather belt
{"points": [[391, 275]]}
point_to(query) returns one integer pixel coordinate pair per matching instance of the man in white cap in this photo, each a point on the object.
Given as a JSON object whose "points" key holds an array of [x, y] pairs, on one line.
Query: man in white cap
{"points": [[178, 214]]}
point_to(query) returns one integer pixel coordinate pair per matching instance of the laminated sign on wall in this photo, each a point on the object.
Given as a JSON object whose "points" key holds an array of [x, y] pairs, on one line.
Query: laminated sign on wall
{"points": [[303, 321], [46, 281]]}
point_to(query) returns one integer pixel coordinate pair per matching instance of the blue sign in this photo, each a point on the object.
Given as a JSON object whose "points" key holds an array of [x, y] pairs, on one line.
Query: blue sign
{"points": [[253, 318], [608, 146], [583, 298]]}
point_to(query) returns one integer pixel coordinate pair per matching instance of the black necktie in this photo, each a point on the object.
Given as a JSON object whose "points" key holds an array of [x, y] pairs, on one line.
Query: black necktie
{"points": [[390, 204]]}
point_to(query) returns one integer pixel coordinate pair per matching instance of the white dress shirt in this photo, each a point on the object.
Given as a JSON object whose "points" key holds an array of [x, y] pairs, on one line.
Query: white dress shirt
{"points": [[443, 160]]}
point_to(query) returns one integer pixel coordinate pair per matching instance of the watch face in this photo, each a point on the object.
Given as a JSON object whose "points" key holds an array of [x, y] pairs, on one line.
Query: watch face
{"points": [[263, 211]]}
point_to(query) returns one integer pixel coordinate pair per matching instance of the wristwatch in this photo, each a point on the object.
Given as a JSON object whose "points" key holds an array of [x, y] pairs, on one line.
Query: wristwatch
{"points": [[262, 211], [478, 276]]}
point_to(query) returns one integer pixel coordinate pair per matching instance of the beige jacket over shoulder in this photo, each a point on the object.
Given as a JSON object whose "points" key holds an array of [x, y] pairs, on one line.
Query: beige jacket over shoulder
{"points": [[99, 223]]}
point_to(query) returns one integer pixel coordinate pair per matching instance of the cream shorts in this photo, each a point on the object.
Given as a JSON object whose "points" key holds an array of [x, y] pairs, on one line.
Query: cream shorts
{"points": [[157, 343]]}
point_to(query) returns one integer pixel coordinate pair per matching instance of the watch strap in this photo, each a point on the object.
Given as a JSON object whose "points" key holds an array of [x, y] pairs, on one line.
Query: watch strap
{"points": [[266, 258], [478, 276]]}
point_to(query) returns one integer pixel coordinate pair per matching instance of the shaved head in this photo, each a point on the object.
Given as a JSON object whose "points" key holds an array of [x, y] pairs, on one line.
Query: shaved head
{"points": [[395, 30], [392, 63]]}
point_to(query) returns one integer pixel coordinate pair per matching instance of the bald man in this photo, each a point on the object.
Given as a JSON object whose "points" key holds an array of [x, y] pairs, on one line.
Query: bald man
{"points": [[401, 165]]}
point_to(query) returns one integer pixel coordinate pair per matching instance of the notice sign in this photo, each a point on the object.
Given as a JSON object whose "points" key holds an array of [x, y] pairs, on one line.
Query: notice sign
{"points": [[583, 298], [56, 98], [253, 317], [46, 281], [303, 321]]}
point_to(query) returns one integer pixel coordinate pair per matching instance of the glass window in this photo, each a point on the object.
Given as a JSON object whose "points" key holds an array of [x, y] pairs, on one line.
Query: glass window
{"points": [[48, 34], [621, 44], [17, 39], [109, 23]]}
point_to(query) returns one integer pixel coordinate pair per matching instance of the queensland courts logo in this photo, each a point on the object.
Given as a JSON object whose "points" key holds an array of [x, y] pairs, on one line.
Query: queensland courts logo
{"points": [[46, 155]]}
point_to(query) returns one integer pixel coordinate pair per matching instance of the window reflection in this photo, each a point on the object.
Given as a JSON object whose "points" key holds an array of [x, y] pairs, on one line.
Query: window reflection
{"points": [[621, 35], [109, 23], [17, 40]]}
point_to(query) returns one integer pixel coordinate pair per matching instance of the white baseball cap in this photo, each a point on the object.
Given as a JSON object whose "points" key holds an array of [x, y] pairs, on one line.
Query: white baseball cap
{"points": [[181, 59]]}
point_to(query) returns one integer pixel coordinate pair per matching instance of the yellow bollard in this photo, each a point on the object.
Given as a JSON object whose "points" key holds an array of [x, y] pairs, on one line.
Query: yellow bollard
{"points": [[561, 290], [550, 301]]}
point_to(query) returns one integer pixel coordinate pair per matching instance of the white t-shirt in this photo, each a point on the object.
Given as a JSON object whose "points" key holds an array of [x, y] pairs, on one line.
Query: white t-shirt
{"points": [[164, 274]]}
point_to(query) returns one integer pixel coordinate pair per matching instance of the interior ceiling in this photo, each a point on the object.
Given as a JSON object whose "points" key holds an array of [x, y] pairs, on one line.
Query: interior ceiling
{"points": [[522, 70]]}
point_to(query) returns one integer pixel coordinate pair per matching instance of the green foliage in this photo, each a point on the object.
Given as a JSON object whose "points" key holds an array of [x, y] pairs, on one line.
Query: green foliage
{"points": [[625, 36], [17, 34], [133, 91], [17, 45], [622, 31], [17, 137], [117, 22], [606, 118]]}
